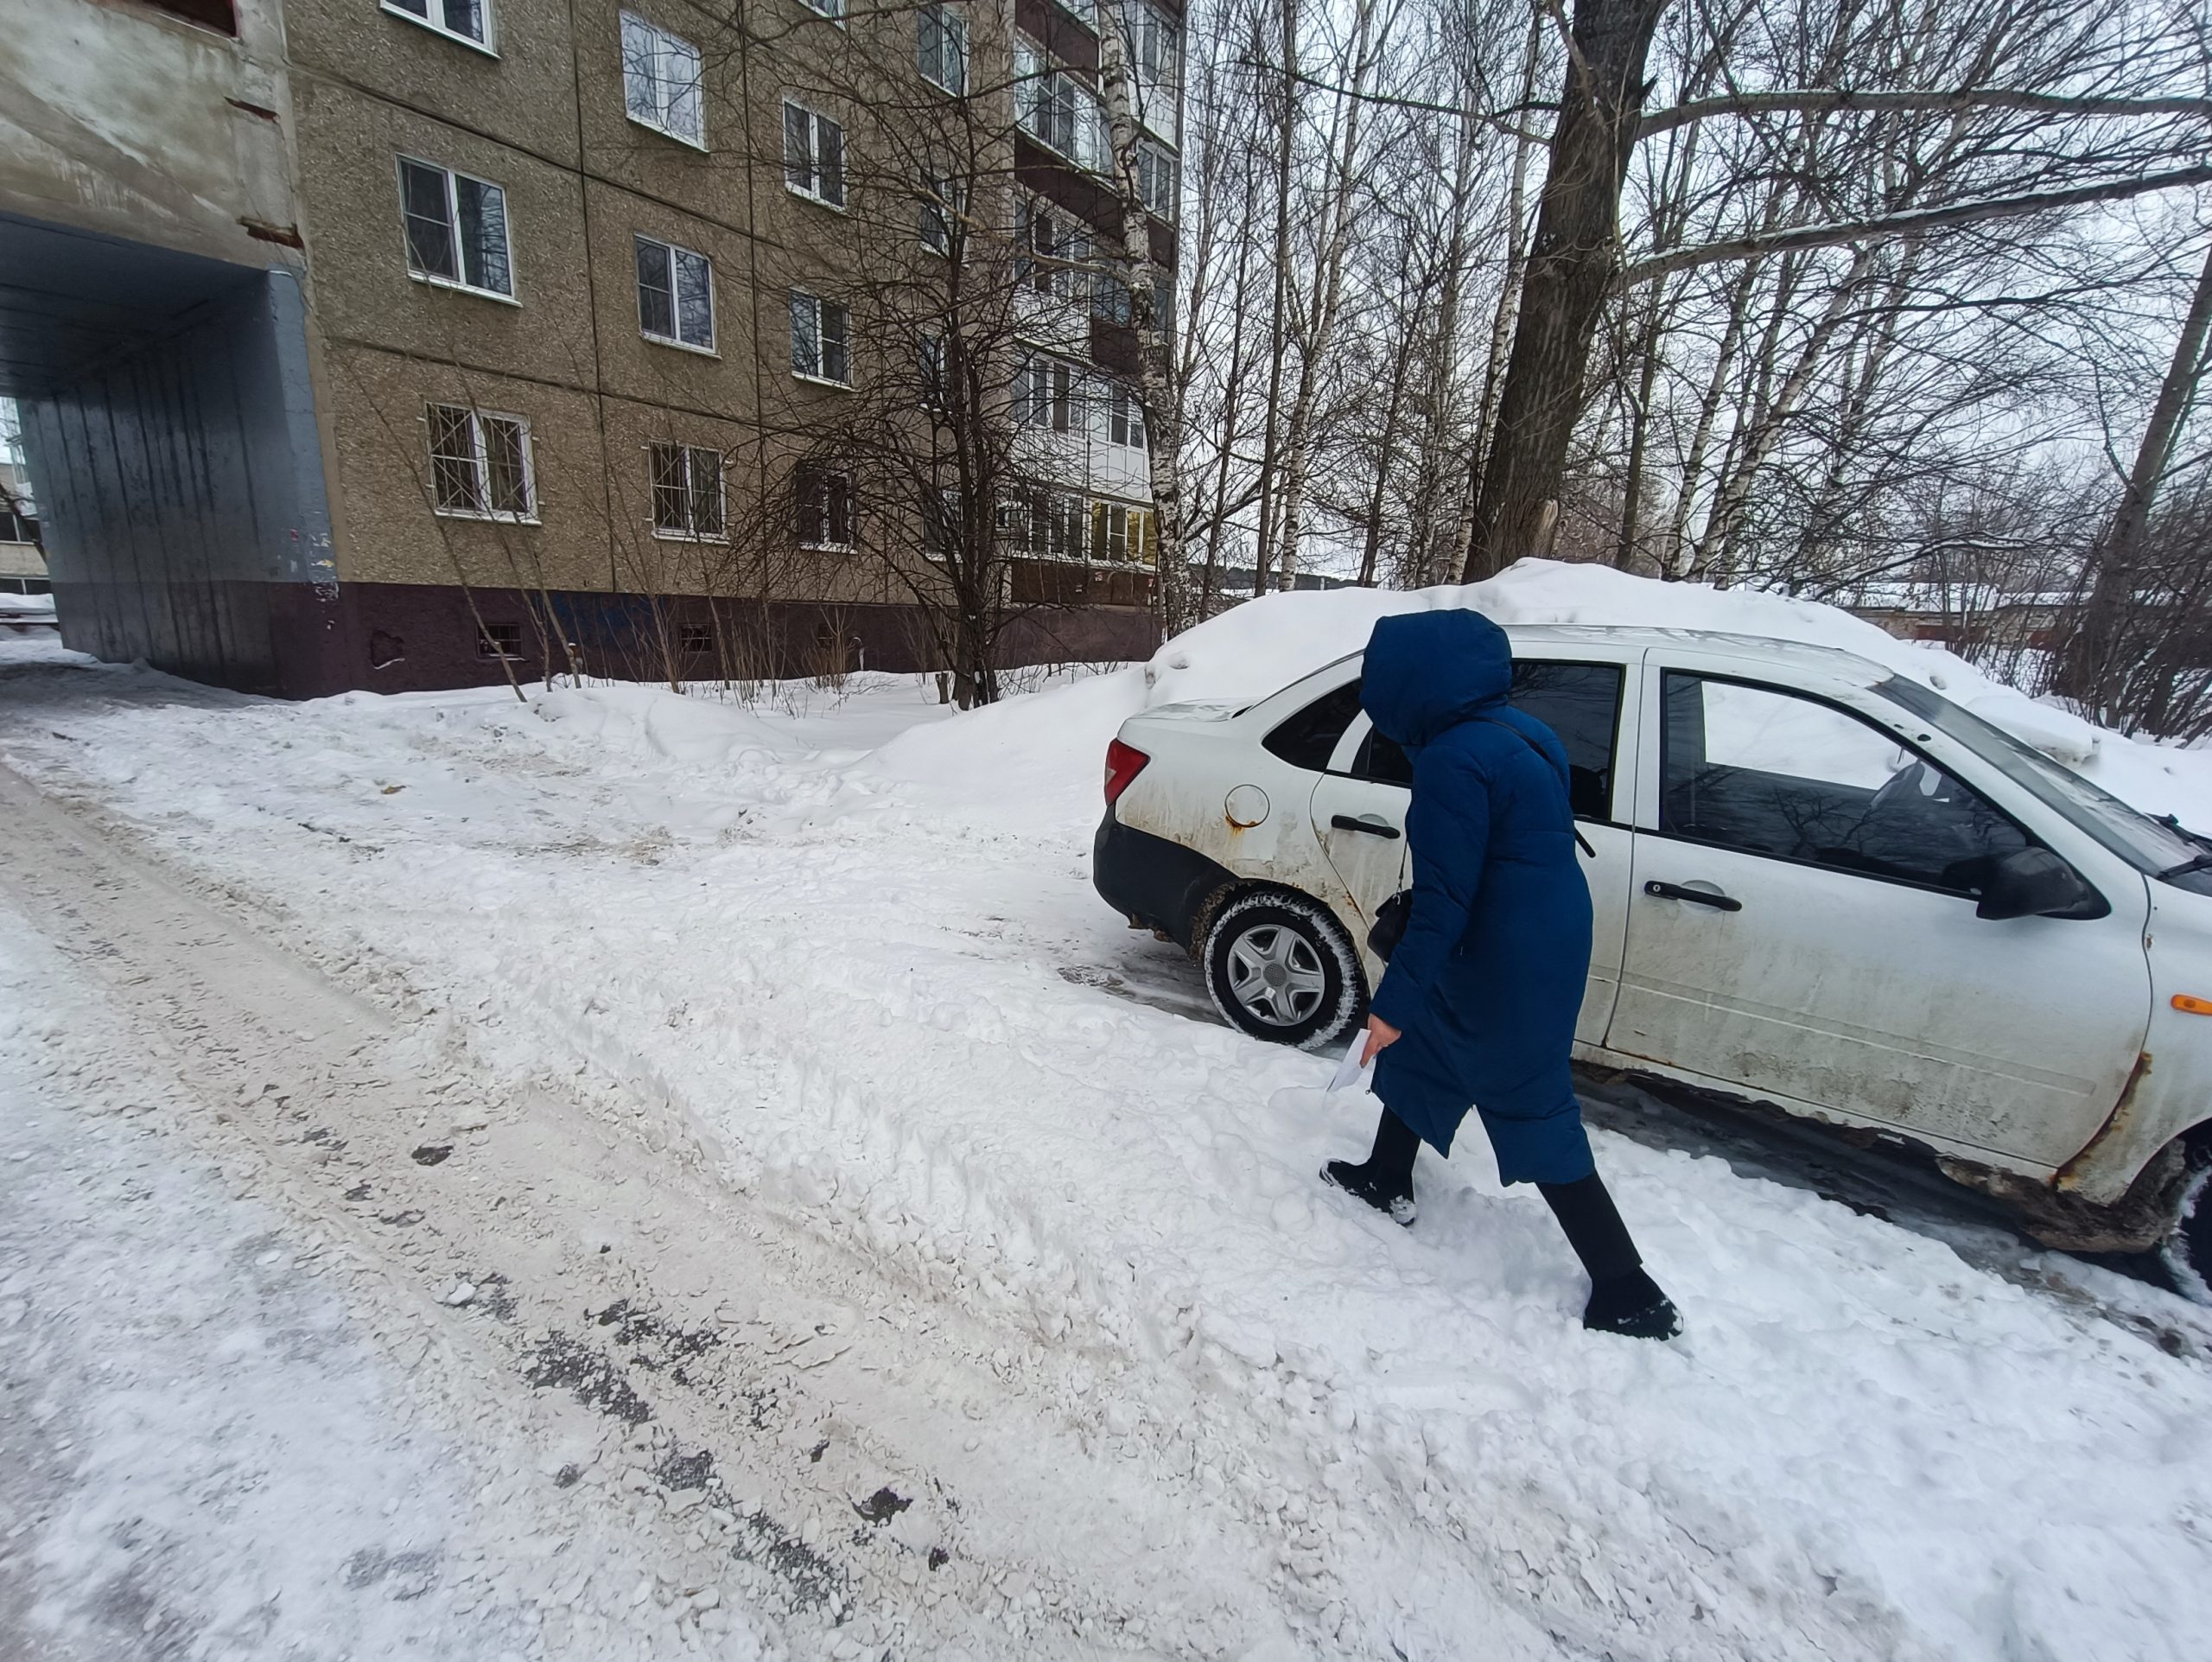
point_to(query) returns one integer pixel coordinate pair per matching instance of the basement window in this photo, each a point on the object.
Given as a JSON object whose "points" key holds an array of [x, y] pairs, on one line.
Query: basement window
{"points": [[466, 21], [695, 638], [221, 15], [498, 641]]}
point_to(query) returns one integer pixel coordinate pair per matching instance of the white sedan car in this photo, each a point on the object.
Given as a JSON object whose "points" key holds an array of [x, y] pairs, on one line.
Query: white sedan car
{"points": [[1817, 884]]}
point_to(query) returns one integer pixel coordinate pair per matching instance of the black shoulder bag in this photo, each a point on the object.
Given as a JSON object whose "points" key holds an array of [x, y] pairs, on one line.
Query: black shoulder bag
{"points": [[1394, 913]]}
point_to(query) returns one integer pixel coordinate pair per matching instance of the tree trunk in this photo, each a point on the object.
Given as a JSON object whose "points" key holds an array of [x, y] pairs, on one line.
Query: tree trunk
{"points": [[1509, 302], [1278, 342], [2091, 670], [1571, 270]]}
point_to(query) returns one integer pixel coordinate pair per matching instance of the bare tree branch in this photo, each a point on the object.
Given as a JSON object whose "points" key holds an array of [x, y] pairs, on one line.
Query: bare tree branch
{"points": [[1962, 98], [1886, 226]]}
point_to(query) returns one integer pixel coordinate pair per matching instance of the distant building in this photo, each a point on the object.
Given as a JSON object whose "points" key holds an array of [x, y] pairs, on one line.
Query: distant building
{"points": [[355, 338], [1961, 615], [22, 562]]}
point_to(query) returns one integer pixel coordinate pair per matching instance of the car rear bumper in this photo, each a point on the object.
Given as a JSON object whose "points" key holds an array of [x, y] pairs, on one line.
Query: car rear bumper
{"points": [[1151, 881]]}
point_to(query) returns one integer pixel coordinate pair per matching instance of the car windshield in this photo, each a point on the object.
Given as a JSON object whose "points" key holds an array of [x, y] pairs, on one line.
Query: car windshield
{"points": [[2149, 845]]}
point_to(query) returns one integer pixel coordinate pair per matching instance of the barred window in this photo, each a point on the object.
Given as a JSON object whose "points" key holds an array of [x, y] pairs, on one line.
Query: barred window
{"points": [[687, 492], [480, 464]]}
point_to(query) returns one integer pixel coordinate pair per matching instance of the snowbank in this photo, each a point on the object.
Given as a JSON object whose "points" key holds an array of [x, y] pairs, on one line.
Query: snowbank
{"points": [[1054, 743]]}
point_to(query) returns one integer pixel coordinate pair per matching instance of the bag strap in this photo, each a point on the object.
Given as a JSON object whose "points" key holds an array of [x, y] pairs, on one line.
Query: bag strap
{"points": [[1581, 842]]}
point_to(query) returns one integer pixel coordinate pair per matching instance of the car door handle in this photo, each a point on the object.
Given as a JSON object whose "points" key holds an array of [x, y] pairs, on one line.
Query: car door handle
{"points": [[1696, 896], [1369, 824]]}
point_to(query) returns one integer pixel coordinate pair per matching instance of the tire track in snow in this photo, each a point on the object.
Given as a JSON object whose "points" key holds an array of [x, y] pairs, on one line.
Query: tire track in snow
{"points": [[768, 1373]]}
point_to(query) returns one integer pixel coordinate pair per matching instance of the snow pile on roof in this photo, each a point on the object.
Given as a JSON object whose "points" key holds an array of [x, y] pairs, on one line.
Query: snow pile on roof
{"points": [[1055, 743]]}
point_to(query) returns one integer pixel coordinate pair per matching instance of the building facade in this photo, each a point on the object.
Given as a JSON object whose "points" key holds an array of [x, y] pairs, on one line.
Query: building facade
{"points": [[419, 343]]}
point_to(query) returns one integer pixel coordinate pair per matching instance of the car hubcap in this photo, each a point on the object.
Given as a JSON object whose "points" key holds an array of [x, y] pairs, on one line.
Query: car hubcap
{"points": [[1277, 975]]}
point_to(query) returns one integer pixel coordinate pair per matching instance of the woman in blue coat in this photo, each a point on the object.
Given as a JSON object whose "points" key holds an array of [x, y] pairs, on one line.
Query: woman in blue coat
{"points": [[1479, 1005]]}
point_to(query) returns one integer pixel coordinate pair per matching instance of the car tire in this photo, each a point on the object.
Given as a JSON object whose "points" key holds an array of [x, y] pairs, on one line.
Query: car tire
{"points": [[2187, 1250], [1281, 967]]}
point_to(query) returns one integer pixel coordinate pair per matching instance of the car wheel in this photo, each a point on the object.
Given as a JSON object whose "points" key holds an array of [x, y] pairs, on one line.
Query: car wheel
{"points": [[2187, 1249], [1281, 967]]}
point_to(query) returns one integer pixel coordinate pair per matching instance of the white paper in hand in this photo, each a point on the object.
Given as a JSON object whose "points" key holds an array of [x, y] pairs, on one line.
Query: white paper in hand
{"points": [[1351, 1070]]}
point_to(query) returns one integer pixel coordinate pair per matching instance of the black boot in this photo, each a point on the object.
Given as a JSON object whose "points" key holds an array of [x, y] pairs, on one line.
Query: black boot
{"points": [[1385, 1180], [1623, 1298]]}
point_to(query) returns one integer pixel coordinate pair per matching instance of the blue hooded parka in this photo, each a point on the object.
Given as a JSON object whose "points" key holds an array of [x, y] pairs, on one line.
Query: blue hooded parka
{"points": [[1489, 979]]}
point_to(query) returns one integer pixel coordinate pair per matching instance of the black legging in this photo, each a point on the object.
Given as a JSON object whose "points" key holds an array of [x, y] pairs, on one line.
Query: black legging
{"points": [[1584, 1209]]}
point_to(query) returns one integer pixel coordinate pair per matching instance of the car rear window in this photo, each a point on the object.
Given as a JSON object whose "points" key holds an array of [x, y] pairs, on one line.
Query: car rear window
{"points": [[1582, 703], [1309, 738]]}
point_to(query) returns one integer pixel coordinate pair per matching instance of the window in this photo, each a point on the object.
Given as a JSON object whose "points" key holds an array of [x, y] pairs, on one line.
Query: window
{"points": [[1110, 298], [498, 641], [1159, 178], [822, 506], [1125, 419], [1055, 109], [480, 464], [940, 523], [1156, 62], [1050, 251], [1044, 394], [465, 20], [1119, 533], [941, 45], [1581, 702], [1050, 526], [819, 330], [1769, 772], [695, 638], [834, 9], [687, 492], [944, 203], [660, 80], [456, 228], [16, 527], [814, 155], [930, 360], [221, 15], [676, 294], [1308, 738]]}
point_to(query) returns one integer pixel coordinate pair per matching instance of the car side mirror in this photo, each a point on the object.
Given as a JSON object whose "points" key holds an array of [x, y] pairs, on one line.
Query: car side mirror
{"points": [[2037, 883]]}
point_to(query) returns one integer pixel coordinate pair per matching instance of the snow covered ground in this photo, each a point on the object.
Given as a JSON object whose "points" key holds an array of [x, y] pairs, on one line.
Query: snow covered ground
{"points": [[913, 1176]]}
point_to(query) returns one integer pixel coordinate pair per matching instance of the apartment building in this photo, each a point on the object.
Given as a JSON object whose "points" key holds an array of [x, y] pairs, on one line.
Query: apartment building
{"points": [[414, 343]]}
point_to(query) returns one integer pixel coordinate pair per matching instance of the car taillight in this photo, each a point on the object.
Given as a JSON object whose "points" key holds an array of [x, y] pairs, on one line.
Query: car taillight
{"points": [[1123, 763]]}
